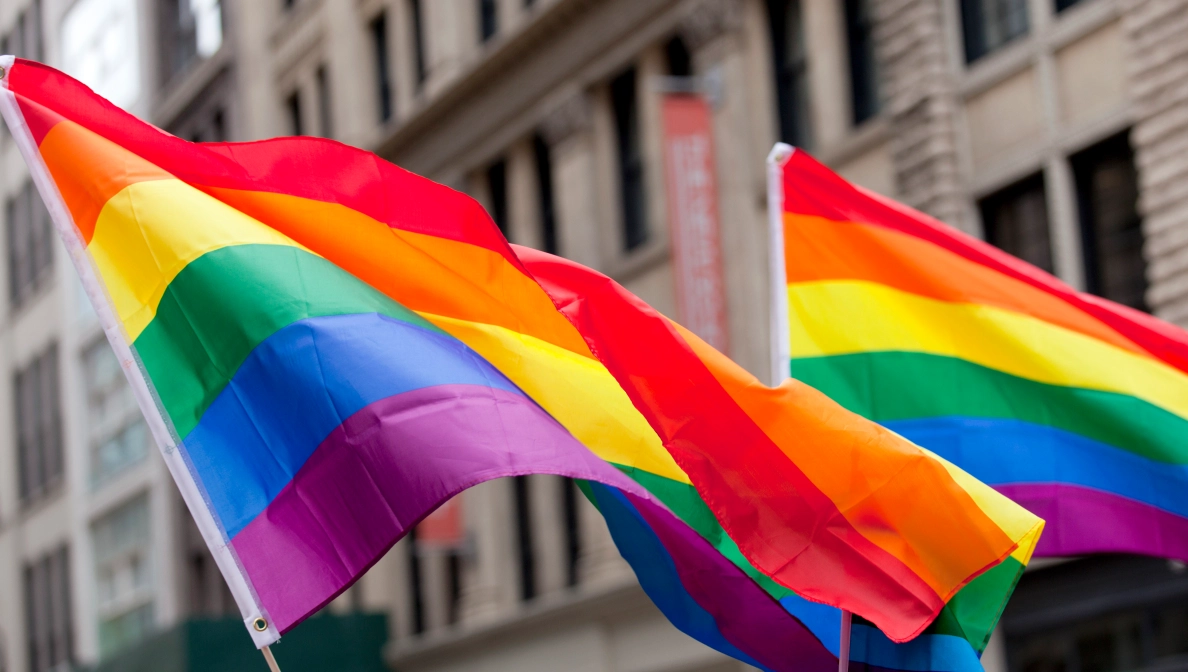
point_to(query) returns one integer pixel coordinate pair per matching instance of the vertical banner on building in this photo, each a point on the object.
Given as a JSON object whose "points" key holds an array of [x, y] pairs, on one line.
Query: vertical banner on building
{"points": [[692, 190]]}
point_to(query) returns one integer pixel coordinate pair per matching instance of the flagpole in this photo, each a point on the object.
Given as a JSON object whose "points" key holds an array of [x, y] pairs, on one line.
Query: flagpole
{"points": [[272, 661], [843, 654]]}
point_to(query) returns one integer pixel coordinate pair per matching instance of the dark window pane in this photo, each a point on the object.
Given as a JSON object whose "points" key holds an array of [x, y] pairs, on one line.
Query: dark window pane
{"points": [[48, 617], [544, 183], [573, 539], [418, 30], [179, 37], [326, 121], [1111, 229], [383, 79], [1099, 614], [524, 542], [416, 587], [1016, 221], [293, 107], [38, 425], [630, 155], [1062, 5], [497, 187], [680, 61], [488, 19], [790, 61], [989, 24], [864, 91]]}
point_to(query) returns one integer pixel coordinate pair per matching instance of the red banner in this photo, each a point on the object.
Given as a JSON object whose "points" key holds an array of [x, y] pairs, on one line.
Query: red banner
{"points": [[692, 188]]}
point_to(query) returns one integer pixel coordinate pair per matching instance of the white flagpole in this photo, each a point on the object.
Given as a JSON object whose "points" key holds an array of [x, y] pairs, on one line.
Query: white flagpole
{"points": [[272, 666], [780, 347], [843, 654]]}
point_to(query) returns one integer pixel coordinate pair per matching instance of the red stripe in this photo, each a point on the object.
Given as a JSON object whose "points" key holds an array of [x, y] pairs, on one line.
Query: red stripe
{"points": [[313, 168], [812, 189], [781, 521]]}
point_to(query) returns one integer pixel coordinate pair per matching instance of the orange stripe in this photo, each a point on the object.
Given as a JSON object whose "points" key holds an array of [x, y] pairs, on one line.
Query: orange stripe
{"points": [[90, 169], [837, 450], [821, 249], [477, 284]]}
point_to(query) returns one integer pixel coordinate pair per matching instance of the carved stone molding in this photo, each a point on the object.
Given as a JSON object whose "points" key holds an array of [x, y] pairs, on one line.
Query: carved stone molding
{"points": [[706, 20], [567, 118]]}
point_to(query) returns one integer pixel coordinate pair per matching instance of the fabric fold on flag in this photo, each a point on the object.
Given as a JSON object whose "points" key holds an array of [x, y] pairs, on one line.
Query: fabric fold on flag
{"points": [[303, 318]]}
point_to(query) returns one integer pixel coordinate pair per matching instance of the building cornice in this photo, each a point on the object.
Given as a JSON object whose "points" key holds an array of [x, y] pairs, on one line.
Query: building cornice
{"points": [[558, 49]]}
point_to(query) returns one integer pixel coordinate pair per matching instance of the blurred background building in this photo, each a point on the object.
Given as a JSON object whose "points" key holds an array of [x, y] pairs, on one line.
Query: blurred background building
{"points": [[1056, 129]]}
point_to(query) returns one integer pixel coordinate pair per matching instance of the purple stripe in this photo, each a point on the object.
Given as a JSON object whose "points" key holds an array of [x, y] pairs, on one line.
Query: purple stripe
{"points": [[1083, 520], [745, 614], [383, 470]]}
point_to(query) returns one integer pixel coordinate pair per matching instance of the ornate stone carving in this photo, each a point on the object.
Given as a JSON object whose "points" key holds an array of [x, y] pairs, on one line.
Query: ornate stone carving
{"points": [[706, 20], [567, 118]]}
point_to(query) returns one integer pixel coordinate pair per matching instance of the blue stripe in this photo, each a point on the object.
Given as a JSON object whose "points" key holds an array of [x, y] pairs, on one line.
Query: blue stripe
{"points": [[926, 653], [657, 573], [300, 384], [1000, 452]]}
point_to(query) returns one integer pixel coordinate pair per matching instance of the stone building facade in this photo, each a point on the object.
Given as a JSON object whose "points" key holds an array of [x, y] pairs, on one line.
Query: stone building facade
{"points": [[1056, 129]]}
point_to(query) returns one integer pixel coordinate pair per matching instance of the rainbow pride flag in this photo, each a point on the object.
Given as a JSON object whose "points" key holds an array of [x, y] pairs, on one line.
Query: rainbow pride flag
{"points": [[327, 347], [1073, 406]]}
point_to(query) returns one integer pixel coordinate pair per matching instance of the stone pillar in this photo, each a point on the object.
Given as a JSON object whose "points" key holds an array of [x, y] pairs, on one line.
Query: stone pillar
{"points": [[1158, 36], [488, 575], [568, 131], [713, 30], [921, 98]]}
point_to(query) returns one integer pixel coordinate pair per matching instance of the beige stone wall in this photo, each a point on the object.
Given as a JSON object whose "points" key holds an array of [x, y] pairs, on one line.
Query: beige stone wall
{"points": [[1158, 73]]}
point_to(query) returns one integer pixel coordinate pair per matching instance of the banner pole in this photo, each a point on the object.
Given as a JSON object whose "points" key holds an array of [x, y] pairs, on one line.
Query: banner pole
{"points": [[843, 654], [276, 668], [781, 355]]}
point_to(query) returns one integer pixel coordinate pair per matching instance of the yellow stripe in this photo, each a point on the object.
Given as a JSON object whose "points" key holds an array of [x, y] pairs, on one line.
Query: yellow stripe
{"points": [[578, 391], [844, 317], [147, 233], [1021, 525]]}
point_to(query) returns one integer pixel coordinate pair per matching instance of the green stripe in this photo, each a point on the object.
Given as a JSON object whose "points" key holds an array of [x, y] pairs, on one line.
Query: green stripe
{"points": [[886, 386], [971, 614], [225, 303]]}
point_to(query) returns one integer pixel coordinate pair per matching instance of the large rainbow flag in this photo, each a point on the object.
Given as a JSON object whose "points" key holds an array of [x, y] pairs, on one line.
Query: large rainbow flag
{"points": [[326, 347], [1073, 406]]}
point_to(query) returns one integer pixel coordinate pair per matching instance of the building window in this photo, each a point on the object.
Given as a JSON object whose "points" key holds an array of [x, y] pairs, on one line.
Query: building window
{"points": [[416, 584], [864, 90], [418, 41], [293, 109], [190, 30], [630, 156], [30, 244], [488, 11], [325, 113], [1111, 229], [544, 185], [1062, 5], [680, 61], [573, 539], [48, 612], [25, 39], [1015, 220], [123, 576], [207, 594], [525, 548], [39, 425], [1099, 614], [791, 71], [116, 431], [497, 189], [989, 24], [383, 75]]}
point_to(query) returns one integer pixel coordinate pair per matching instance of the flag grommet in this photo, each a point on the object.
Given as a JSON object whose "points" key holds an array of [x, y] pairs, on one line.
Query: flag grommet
{"points": [[3, 72], [260, 624]]}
